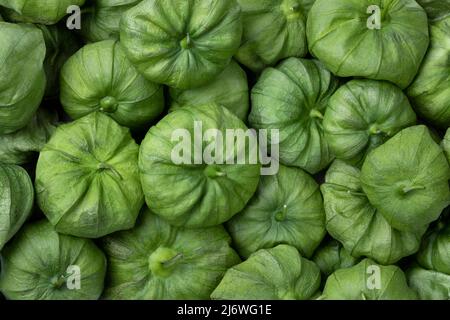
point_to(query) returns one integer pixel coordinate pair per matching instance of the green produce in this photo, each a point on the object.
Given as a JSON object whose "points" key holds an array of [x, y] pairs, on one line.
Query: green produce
{"points": [[445, 144], [430, 91], [273, 30], [280, 273], [158, 261], [191, 194], [363, 114], [332, 256], [22, 77], [435, 251], [87, 180], [38, 11], [287, 208], [368, 281], [357, 224], [99, 77], [22, 146], [406, 179], [293, 98], [431, 276], [16, 200], [224, 149], [41, 264], [183, 48], [429, 284], [367, 39], [60, 44], [102, 18], [436, 9], [229, 89]]}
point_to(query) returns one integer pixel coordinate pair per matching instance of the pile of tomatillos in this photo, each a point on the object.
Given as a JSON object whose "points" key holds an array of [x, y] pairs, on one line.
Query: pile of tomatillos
{"points": [[99, 200]]}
